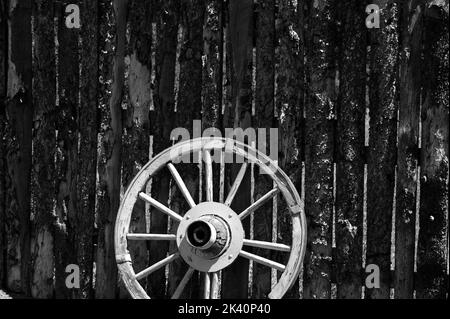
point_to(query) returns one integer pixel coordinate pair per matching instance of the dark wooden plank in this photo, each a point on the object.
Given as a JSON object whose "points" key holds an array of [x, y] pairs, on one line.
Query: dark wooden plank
{"points": [[3, 168], [44, 147], [290, 95], [383, 107], [433, 245], [212, 68], [67, 152], [411, 24], [161, 123], [264, 118], [112, 66], [240, 28], [320, 107], [350, 149], [87, 160], [189, 105], [19, 144], [136, 137]]}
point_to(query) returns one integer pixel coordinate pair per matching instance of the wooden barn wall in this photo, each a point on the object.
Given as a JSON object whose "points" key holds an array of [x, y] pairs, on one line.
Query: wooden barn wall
{"points": [[363, 129]]}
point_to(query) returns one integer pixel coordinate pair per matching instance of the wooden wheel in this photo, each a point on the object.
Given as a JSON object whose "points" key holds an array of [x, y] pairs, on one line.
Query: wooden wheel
{"points": [[210, 235]]}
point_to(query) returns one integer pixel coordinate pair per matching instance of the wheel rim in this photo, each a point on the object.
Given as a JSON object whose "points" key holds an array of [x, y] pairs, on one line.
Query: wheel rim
{"points": [[219, 216]]}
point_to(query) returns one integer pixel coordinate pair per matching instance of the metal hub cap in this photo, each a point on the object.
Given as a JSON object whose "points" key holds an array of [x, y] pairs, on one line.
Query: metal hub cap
{"points": [[210, 236]]}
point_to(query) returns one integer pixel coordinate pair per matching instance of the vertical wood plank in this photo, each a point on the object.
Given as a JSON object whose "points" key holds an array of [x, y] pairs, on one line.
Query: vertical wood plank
{"points": [[19, 144], [161, 123], [66, 152], [264, 119], [212, 66], [3, 168], [112, 65], [383, 107], [290, 94], [433, 245], [320, 107], [411, 24], [235, 278], [350, 149], [87, 159], [137, 135], [44, 145], [189, 105]]}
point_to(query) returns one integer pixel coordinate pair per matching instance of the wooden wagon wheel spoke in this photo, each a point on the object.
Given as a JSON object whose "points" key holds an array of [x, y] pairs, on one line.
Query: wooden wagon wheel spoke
{"points": [[207, 286], [183, 283], [259, 203], [262, 260], [214, 285], [164, 209], [267, 245], [209, 176], [136, 236], [181, 185], [236, 184], [144, 273]]}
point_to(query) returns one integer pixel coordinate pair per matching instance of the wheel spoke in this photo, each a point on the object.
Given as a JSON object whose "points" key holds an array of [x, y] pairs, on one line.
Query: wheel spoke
{"points": [[262, 260], [151, 236], [267, 245], [183, 283], [259, 203], [209, 176], [157, 266], [206, 286], [236, 184], [181, 185], [160, 207], [214, 285]]}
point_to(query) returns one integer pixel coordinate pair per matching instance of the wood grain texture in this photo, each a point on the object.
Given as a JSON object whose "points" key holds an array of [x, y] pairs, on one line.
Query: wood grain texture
{"points": [[88, 129], [3, 168], [136, 137], [66, 162], [411, 24], [44, 147], [240, 28], [161, 124], [19, 144], [382, 153], [319, 148], [264, 118], [290, 95], [112, 66], [350, 149], [433, 236]]}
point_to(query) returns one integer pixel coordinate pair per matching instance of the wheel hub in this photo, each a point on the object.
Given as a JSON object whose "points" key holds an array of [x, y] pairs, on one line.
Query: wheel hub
{"points": [[210, 236]]}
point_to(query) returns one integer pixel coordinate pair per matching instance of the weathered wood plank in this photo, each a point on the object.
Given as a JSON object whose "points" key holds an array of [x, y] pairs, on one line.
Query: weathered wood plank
{"points": [[383, 107], [161, 123], [44, 146], [411, 25], [240, 28], [136, 137], [350, 149], [112, 66], [264, 118], [19, 144], [189, 105], [3, 168], [433, 235], [66, 152], [290, 94], [87, 160], [320, 109]]}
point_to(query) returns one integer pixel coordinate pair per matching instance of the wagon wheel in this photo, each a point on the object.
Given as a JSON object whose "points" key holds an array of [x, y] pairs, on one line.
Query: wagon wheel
{"points": [[210, 235]]}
